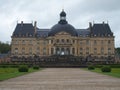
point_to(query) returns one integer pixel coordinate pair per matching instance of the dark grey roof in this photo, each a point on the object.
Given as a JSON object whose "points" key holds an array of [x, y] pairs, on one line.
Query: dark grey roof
{"points": [[63, 13], [27, 29], [101, 29], [42, 32], [63, 27], [23, 29], [83, 32]]}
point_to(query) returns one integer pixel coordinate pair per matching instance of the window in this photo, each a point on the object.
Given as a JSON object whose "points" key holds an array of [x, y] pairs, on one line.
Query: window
{"points": [[109, 42], [81, 49], [51, 41], [38, 50], [87, 42], [73, 41], [23, 41], [101, 41], [109, 51], [81, 53], [95, 50], [44, 42], [30, 42], [80, 41], [68, 41], [62, 40], [73, 50], [95, 42], [16, 42], [87, 50], [38, 42], [23, 50], [30, 50], [16, 50], [57, 40], [44, 51], [102, 50], [52, 51]]}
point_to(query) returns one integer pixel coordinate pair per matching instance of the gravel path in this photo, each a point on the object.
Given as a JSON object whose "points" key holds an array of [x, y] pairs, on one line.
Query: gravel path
{"points": [[62, 79]]}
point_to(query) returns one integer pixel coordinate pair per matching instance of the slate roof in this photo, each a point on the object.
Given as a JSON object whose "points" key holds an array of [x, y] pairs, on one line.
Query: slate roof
{"points": [[42, 32], [63, 27], [101, 30], [83, 32], [23, 29], [27, 29]]}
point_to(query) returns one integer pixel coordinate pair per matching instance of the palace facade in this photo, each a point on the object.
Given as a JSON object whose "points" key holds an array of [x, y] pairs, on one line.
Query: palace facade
{"points": [[96, 41]]}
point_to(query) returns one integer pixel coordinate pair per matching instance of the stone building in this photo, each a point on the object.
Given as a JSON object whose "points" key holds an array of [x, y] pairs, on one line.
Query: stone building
{"points": [[96, 41]]}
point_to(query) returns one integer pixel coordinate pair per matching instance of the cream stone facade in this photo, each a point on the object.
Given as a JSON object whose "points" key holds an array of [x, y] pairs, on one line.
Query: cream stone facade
{"points": [[96, 41]]}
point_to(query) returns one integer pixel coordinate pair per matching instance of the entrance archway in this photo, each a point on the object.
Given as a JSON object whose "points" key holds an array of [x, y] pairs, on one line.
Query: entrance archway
{"points": [[62, 51]]}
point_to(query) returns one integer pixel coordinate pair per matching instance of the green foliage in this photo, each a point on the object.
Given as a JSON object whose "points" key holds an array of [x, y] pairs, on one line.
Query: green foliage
{"points": [[91, 67], [9, 66], [106, 69], [23, 68], [4, 47], [36, 67], [117, 50], [115, 66], [111, 65]]}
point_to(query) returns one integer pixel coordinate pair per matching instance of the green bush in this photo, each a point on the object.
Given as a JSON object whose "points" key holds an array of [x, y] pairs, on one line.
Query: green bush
{"points": [[36, 67], [4, 66], [23, 68], [106, 69], [91, 67]]}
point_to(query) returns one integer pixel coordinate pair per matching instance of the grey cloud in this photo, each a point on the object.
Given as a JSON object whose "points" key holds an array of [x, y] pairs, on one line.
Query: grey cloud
{"points": [[46, 13]]}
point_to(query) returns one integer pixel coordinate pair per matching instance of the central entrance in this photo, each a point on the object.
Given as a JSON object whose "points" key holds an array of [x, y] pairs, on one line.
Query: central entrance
{"points": [[62, 51]]}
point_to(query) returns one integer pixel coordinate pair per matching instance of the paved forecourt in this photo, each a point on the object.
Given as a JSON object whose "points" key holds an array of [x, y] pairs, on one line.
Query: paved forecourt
{"points": [[62, 79]]}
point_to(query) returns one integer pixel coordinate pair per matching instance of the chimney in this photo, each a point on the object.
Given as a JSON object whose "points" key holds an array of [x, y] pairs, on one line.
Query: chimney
{"points": [[35, 23], [90, 28], [21, 23], [35, 26], [90, 25], [103, 22]]}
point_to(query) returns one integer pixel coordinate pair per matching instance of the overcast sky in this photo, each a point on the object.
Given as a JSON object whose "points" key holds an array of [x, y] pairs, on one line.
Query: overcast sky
{"points": [[46, 13]]}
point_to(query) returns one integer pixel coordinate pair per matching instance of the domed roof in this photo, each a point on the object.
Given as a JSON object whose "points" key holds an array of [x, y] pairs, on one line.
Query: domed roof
{"points": [[63, 26]]}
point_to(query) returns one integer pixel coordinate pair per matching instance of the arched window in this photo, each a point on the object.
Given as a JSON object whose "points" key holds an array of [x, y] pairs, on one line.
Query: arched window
{"points": [[57, 51], [16, 50]]}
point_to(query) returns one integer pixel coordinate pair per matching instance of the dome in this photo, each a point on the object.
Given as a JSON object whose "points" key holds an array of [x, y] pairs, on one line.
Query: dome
{"points": [[63, 27]]}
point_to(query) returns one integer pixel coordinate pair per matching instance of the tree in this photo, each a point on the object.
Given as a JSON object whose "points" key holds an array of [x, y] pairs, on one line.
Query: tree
{"points": [[4, 47], [117, 50]]}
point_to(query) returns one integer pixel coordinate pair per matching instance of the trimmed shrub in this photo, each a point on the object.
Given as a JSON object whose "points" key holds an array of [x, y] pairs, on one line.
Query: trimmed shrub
{"points": [[106, 69], [91, 67], [23, 68], [36, 67]]}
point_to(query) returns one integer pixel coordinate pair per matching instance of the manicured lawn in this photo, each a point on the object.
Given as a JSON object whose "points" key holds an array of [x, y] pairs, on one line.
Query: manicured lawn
{"points": [[115, 72], [6, 73]]}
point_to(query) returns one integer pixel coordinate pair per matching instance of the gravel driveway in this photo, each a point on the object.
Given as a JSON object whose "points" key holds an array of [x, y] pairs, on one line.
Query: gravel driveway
{"points": [[62, 79]]}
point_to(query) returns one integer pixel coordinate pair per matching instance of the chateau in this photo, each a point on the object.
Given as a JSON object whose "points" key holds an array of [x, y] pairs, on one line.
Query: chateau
{"points": [[96, 41]]}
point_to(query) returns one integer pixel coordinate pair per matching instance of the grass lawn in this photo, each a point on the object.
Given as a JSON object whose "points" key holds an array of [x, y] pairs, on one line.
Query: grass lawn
{"points": [[115, 72], [6, 73]]}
